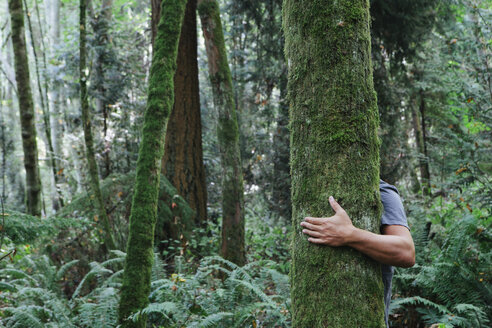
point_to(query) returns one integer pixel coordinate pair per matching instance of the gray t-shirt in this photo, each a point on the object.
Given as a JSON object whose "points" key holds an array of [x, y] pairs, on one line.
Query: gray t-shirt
{"points": [[393, 214]]}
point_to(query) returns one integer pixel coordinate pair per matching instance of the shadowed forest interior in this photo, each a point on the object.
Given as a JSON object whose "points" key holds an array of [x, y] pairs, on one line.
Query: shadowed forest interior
{"points": [[157, 157]]}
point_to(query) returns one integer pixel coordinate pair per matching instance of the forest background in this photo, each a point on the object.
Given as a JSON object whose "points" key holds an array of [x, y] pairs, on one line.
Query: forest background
{"points": [[431, 64]]}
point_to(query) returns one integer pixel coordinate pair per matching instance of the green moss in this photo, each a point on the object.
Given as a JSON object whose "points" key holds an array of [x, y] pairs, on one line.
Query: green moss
{"points": [[138, 264], [334, 151]]}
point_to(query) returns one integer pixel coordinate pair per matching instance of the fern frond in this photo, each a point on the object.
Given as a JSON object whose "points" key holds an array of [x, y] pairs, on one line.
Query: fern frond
{"points": [[256, 290], [97, 270], [5, 286], [415, 300], [64, 268], [211, 320]]}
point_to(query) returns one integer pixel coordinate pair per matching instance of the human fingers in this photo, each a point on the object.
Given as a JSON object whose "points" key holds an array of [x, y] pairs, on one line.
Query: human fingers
{"points": [[316, 240], [316, 221], [312, 233], [310, 226], [334, 205]]}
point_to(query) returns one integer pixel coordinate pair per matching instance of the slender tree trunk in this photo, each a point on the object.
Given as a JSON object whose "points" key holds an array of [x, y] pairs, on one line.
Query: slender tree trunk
{"points": [[419, 128], [101, 22], [281, 169], [26, 108], [155, 18], [334, 151], [227, 134], [43, 96], [182, 162], [89, 143], [54, 97], [138, 265]]}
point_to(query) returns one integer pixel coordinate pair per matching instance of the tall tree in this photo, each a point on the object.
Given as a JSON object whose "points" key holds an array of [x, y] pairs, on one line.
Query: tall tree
{"points": [[89, 143], [106, 93], [227, 134], [182, 162], [418, 117], [334, 151], [55, 92], [43, 97], [139, 258], [26, 108]]}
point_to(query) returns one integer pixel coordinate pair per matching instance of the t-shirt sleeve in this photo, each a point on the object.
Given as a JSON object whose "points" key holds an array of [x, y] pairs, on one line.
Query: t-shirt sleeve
{"points": [[393, 213]]}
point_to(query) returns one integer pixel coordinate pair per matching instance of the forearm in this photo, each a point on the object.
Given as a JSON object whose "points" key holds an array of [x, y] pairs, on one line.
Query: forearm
{"points": [[396, 250]]}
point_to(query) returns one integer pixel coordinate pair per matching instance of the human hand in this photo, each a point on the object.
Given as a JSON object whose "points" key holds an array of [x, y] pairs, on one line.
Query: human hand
{"points": [[332, 231]]}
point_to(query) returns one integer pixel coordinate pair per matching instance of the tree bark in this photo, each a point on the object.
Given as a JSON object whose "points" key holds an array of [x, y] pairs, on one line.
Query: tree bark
{"points": [[138, 265], [334, 151], [281, 169], [26, 108], [89, 143], [54, 97], [101, 24], [419, 130], [43, 96], [232, 247], [182, 162]]}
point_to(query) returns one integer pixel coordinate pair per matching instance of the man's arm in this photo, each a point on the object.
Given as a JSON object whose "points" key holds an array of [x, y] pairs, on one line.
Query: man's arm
{"points": [[394, 247]]}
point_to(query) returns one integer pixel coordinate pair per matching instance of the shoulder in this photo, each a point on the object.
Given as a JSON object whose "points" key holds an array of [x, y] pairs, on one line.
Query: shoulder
{"points": [[394, 213], [385, 187]]}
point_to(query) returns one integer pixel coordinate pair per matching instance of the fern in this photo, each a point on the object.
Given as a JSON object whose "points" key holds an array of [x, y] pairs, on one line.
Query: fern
{"points": [[211, 320]]}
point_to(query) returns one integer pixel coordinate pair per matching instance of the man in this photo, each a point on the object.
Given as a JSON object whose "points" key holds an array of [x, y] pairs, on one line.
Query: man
{"points": [[393, 248]]}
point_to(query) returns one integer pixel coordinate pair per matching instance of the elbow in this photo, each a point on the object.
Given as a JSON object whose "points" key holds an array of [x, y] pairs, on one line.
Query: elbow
{"points": [[408, 258]]}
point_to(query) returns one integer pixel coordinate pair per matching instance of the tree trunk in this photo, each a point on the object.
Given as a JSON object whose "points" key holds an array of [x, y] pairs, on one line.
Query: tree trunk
{"points": [[26, 108], [419, 129], [334, 151], [101, 24], [138, 265], [89, 143], [182, 162], [43, 95], [232, 247], [54, 97], [281, 169]]}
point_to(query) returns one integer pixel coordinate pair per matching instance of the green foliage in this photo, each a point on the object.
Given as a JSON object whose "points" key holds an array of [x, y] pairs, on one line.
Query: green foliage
{"points": [[451, 284], [254, 292], [22, 228], [33, 297]]}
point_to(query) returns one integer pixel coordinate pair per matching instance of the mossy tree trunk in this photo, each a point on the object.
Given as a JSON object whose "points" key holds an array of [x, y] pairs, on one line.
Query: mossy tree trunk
{"points": [[334, 151], [26, 108], [182, 162], [89, 143], [139, 258], [232, 247]]}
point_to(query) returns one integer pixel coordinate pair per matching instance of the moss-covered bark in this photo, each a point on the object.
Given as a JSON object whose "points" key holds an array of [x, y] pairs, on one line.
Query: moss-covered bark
{"points": [[182, 163], [26, 108], [89, 143], [334, 151], [227, 133], [136, 279]]}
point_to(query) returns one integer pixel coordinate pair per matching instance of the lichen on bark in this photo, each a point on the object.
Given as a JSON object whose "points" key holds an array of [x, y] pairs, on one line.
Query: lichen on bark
{"points": [[139, 258], [334, 151]]}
